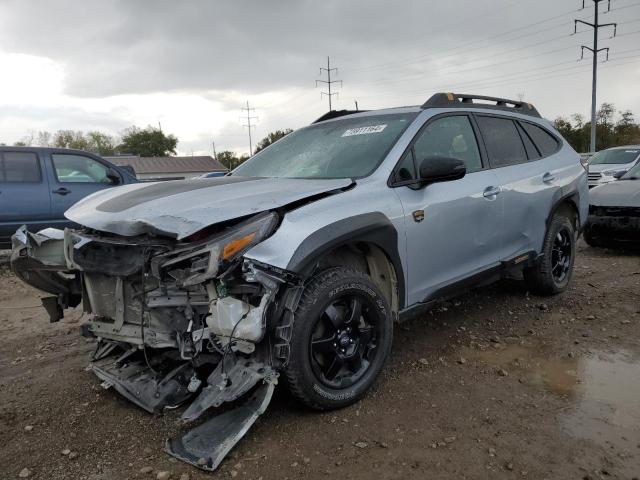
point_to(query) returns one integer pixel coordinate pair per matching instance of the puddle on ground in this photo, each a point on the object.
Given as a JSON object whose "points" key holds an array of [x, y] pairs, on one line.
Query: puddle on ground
{"points": [[603, 390]]}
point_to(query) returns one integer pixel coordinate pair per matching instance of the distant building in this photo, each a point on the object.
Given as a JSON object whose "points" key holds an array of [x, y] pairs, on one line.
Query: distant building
{"points": [[168, 167]]}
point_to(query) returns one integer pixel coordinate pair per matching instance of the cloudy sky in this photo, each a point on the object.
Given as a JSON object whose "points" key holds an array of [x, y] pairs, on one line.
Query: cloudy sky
{"points": [[191, 65]]}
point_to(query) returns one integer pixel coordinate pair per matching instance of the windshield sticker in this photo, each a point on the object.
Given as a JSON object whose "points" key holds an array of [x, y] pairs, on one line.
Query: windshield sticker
{"points": [[364, 130]]}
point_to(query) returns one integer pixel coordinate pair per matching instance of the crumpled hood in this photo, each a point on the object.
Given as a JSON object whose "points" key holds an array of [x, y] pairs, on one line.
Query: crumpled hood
{"points": [[180, 208], [621, 193]]}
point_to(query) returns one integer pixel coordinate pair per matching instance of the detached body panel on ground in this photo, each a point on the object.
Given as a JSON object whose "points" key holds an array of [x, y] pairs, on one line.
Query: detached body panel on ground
{"points": [[299, 261]]}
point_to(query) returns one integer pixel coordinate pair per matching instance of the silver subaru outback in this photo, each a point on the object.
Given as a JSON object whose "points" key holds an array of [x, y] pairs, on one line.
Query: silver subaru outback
{"points": [[295, 266]]}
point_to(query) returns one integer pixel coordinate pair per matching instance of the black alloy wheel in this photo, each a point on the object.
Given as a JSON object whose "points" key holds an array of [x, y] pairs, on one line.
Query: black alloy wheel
{"points": [[343, 344]]}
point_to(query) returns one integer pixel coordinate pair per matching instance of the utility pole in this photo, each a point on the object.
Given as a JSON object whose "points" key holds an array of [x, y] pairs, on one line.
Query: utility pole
{"points": [[215, 156], [248, 124], [328, 81], [594, 50]]}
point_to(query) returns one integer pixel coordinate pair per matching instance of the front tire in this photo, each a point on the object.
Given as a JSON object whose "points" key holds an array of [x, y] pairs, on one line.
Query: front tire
{"points": [[342, 335], [553, 272]]}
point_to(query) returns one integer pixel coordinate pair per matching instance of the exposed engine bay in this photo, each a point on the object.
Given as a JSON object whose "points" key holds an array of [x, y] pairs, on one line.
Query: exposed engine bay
{"points": [[177, 322]]}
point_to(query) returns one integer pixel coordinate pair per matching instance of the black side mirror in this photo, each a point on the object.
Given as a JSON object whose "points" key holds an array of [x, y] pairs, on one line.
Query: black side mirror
{"points": [[441, 169], [113, 176], [620, 174]]}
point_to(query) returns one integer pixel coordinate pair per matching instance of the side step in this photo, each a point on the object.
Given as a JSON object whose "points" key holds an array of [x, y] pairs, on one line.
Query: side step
{"points": [[206, 445]]}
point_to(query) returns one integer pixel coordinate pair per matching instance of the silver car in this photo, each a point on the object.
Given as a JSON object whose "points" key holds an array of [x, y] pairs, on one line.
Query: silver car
{"points": [[296, 265], [607, 165]]}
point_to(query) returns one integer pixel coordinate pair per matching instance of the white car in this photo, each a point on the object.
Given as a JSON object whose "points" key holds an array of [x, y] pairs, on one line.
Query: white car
{"points": [[605, 164]]}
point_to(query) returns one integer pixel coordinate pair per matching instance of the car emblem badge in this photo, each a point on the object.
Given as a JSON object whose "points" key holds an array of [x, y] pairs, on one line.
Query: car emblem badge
{"points": [[418, 216]]}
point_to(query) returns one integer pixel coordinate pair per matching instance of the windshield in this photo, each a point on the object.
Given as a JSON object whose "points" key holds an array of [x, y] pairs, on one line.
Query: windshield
{"points": [[619, 156], [633, 174], [347, 148]]}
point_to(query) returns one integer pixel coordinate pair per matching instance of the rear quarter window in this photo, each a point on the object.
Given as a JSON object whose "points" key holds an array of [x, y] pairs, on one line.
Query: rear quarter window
{"points": [[547, 144], [19, 167]]}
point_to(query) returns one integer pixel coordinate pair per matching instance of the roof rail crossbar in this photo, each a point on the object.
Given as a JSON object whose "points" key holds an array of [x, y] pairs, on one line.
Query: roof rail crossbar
{"points": [[448, 100]]}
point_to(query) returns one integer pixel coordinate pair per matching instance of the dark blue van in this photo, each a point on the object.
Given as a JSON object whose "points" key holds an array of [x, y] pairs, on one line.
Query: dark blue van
{"points": [[37, 185]]}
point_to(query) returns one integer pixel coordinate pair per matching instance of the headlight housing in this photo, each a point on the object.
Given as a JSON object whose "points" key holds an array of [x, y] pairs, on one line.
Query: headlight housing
{"points": [[193, 265]]}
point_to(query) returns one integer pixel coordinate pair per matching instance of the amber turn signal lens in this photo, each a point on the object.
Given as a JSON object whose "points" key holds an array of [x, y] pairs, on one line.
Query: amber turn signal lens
{"points": [[234, 246]]}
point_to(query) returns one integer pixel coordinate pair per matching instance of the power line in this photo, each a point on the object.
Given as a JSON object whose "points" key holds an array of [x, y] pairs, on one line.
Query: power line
{"points": [[328, 81], [596, 26], [248, 124]]}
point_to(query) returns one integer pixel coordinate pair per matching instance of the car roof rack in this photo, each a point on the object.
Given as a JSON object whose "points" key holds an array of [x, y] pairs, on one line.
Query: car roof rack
{"points": [[335, 114], [465, 100]]}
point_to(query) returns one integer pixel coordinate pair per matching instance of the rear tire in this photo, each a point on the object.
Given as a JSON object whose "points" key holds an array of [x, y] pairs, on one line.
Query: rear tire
{"points": [[342, 335], [553, 272]]}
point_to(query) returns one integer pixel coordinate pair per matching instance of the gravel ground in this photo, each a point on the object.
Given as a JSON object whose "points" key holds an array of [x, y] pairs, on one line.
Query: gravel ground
{"points": [[495, 384]]}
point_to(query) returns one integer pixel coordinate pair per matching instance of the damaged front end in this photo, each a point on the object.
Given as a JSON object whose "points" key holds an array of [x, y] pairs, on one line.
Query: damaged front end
{"points": [[176, 321]]}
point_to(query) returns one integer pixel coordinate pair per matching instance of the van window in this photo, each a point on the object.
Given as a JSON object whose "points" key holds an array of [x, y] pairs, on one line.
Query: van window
{"points": [[546, 143], [502, 140], [71, 168], [19, 167]]}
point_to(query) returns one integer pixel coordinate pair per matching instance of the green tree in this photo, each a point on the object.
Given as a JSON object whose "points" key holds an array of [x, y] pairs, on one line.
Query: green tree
{"points": [[150, 142], [230, 159], [70, 139], [101, 143], [609, 133], [626, 130], [272, 138]]}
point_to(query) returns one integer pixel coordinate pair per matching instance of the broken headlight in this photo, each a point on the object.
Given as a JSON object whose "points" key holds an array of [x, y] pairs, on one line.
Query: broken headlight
{"points": [[195, 265]]}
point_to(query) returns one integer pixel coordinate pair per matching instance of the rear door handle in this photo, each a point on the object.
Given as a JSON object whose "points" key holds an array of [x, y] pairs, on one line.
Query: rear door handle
{"points": [[490, 192], [548, 177], [61, 191]]}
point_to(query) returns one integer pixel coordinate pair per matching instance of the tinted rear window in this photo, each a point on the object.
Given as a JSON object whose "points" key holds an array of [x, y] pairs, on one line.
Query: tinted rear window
{"points": [[19, 167], [546, 143], [502, 140]]}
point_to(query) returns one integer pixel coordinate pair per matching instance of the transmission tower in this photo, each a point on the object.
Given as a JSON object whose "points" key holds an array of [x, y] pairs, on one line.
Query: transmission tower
{"points": [[328, 81], [248, 118], [595, 50]]}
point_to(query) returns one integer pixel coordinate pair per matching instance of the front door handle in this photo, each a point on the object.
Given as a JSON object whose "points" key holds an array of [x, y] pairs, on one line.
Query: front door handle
{"points": [[491, 192], [548, 177], [61, 191]]}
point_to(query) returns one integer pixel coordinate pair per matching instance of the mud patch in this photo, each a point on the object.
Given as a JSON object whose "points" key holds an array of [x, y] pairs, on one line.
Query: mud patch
{"points": [[603, 390]]}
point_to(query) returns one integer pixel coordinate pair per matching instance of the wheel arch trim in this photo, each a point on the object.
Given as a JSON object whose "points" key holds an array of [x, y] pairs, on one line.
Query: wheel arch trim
{"points": [[373, 228]]}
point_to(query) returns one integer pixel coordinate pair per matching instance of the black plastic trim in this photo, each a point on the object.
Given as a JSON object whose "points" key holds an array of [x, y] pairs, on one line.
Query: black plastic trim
{"points": [[374, 228], [465, 100]]}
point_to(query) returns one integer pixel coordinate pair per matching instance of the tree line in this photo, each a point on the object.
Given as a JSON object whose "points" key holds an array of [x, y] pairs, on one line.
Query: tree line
{"points": [[146, 142], [612, 129]]}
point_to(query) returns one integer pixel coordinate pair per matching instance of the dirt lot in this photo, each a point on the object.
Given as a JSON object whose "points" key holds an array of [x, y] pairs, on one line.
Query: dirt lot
{"points": [[496, 384]]}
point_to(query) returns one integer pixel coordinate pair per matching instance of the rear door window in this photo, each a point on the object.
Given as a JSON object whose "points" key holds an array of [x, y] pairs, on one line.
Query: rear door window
{"points": [[546, 143], [19, 167], [502, 140]]}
